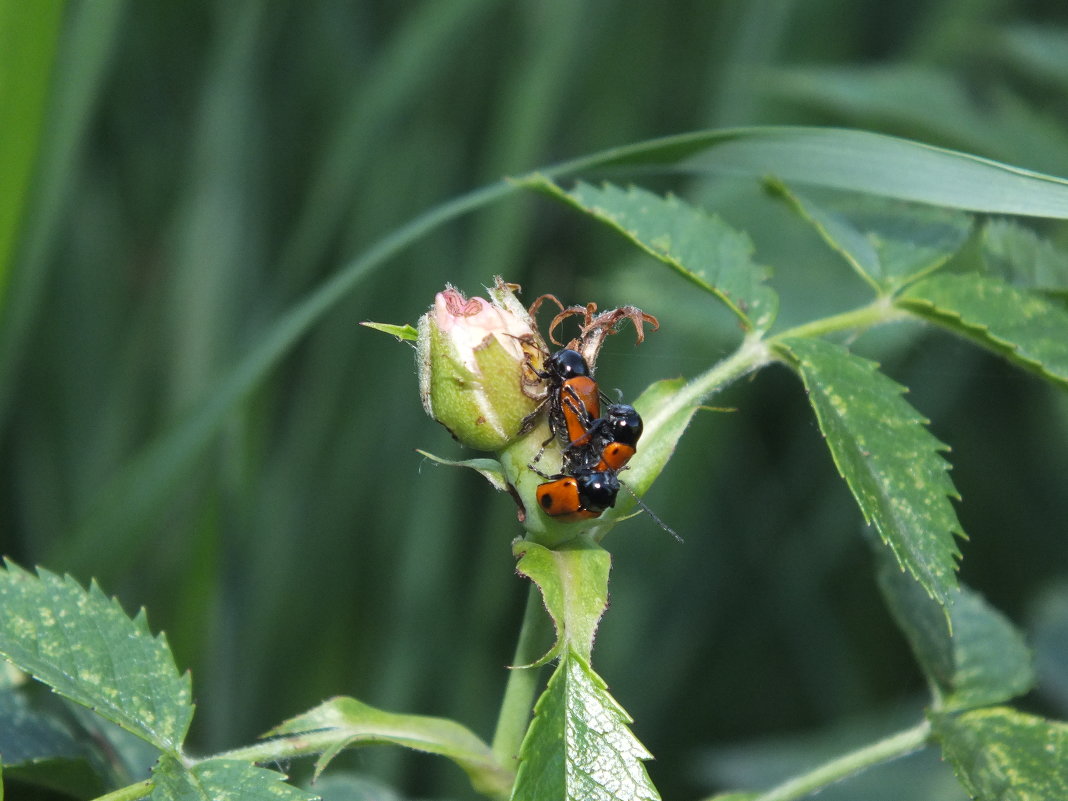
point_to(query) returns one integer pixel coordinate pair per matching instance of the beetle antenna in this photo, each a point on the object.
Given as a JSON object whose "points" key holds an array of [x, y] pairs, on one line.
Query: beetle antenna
{"points": [[652, 514]]}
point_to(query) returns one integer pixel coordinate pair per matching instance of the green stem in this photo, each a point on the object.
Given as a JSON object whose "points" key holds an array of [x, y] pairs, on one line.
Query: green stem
{"points": [[881, 310], [752, 355], [129, 793], [522, 681], [894, 746]]}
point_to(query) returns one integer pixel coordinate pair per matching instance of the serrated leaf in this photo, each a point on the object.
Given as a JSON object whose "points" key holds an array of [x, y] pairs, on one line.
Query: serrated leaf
{"points": [[404, 333], [887, 243], [1021, 257], [342, 722], [573, 580], [886, 455], [1023, 327], [1000, 754], [82, 645], [698, 245], [489, 469], [579, 746], [221, 780], [984, 662]]}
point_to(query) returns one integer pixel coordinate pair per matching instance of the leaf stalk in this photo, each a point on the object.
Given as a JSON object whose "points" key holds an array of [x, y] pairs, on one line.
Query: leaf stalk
{"points": [[892, 747]]}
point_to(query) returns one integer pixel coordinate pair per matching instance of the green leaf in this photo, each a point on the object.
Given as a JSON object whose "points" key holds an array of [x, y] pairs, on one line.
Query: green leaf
{"points": [[342, 722], [573, 580], [489, 469], [984, 662], [1048, 634], [843, 159], [221, 780], [698, 245], [1000, 754], [28, 35], [1020, 256], [82, 645], [886, 243], [889, 459], [36, 747], [27, 734], [1023, 327], [579, 746], [840, 158], [126, 755], [404, 333], [939, 101]]}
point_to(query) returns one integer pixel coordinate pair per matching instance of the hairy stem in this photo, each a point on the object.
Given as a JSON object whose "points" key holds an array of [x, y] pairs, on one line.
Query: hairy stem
{"points": [[522, 681], [896, 745], [881, 310]]}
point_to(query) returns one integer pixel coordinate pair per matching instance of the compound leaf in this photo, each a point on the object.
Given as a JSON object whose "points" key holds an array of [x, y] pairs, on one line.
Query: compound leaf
{"points": [[886, 455], [1000, 754], [221, 780], [82, 644], [573, 580], [579, 746], [984, 662], [342, 722], [698, 245], [887, 243], [1023, 327]]}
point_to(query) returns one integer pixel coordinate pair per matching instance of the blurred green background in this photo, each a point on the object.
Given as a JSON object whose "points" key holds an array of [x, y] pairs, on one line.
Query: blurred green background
{"points": [[202, 166]]}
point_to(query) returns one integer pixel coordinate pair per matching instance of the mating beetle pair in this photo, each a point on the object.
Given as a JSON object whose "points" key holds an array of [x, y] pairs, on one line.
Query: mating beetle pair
{"points": [[595, 447]]}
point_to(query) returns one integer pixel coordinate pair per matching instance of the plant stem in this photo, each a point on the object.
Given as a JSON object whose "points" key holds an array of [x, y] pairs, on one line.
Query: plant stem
{"points": [[129, 793], [522, 681], [753, 354], [896, 745], [880, 310]]}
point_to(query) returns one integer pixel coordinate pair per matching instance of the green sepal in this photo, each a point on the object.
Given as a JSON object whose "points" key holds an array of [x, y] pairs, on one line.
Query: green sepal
{"points": [[489, 469], [573, 580], [404, 333]]}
